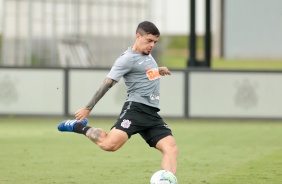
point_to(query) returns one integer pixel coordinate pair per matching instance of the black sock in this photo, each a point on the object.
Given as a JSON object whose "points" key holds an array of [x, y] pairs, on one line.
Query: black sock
{"points": [[80, 128]]}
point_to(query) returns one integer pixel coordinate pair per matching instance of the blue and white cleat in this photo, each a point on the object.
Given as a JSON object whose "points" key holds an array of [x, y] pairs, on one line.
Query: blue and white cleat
{"points": [[67, 125]]}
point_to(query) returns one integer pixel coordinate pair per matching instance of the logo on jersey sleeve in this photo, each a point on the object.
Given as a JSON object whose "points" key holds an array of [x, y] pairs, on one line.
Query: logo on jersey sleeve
{"points": [[153, 74]]}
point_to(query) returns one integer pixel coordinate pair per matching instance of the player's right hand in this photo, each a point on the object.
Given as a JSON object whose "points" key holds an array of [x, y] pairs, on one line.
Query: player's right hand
{"points": [[81, 114]]}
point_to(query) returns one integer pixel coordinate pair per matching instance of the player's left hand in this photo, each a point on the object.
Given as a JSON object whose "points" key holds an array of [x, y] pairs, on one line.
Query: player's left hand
{"points": [[81, 114], [164, 71]]}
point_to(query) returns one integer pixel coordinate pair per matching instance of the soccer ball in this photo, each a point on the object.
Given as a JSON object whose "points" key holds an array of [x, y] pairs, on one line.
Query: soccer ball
{"points": [[163, 177]]}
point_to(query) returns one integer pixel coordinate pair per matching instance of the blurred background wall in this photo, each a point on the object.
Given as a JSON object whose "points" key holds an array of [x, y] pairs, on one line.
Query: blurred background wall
{"points": [[252, 29], [83, 33], [68, 32], [49, 46]]}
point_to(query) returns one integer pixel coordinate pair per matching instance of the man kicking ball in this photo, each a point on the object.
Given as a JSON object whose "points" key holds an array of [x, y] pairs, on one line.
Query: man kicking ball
{"points": [[139, 114]]}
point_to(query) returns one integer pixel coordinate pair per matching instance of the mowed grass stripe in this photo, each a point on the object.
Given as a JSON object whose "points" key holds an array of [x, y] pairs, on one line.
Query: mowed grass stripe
{"points": [[265, 169]]}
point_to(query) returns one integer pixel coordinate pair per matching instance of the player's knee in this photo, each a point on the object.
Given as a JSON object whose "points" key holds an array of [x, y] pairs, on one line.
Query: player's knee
{"points": [[167, 146], [171, 149], [174, 149]]}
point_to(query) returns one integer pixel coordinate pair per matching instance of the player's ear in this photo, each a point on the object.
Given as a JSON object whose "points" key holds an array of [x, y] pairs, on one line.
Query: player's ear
{"points": [[137, 36]]}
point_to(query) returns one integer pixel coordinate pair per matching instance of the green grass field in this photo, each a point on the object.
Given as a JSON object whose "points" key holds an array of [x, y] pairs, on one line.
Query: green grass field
{"points": [[210, 152]]}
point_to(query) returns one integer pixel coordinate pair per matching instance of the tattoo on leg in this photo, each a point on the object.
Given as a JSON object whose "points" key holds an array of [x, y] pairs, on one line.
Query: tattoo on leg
{"points": [[94, 134]]}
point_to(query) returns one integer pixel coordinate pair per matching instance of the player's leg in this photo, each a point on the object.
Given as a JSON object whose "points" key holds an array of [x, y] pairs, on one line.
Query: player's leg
{"points": [[163, 140], [108, 142], [119, 134], [121, 131], [168, 147], [160, 137]]}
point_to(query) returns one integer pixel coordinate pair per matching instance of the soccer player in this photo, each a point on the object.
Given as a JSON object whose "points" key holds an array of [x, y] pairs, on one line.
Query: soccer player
{"points": [[140, 111]]}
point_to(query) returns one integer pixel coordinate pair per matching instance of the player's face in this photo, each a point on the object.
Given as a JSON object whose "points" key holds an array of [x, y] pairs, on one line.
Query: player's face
{"points": [[146, 43]]}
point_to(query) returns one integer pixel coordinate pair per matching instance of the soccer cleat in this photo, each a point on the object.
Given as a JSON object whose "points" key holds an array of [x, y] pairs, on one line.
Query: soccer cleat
{"points": [[67, 125]]}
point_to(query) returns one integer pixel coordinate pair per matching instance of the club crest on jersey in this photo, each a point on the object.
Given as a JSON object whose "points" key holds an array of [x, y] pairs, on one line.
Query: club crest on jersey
{"points": [[153, 74], [125, 123]]}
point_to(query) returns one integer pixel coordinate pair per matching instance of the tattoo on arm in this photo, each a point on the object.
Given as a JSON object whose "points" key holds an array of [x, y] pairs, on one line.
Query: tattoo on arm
{"points": [[106, 85], [94, 134]]}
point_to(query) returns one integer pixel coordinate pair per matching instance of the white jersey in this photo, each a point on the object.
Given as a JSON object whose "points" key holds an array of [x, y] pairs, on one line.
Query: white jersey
{"points": [[141, 77]]}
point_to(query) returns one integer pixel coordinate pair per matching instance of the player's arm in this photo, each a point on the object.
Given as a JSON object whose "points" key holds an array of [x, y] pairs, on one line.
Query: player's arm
{"points": [[84, 112], [106, 85], [164, 71]]}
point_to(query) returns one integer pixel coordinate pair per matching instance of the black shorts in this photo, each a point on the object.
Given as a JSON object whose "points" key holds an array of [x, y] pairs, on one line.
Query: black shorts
{"points": [[145, 120]]}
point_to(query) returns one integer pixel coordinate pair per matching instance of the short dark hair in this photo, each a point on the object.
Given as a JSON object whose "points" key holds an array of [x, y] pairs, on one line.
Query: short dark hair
{"points": [[147, 27]]}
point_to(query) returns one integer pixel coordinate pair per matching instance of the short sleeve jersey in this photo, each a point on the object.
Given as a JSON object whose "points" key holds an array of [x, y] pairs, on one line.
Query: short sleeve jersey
{"points": [[141, 77]]}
